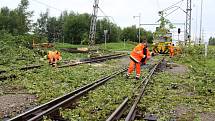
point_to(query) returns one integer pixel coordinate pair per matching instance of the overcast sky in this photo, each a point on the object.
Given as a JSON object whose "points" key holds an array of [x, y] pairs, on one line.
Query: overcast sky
{"points": [[123, 11]]}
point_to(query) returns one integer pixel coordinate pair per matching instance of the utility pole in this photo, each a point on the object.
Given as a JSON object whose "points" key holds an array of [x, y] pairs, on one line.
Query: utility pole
{"points": [[139, 25], [92, 35], [188, 22], [200, 34], [105, 33]]}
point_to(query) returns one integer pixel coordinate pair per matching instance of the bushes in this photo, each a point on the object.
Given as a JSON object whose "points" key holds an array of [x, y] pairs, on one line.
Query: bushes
{"points": [[14, 48]]}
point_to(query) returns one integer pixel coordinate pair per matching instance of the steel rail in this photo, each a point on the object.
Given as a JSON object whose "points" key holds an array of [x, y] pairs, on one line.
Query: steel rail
{"points": [[30, 67], [99, 59], [49, 107], [119, 111], [12, 76], [116, 115], [102, 56], [2, 71], [90, 60], [22, 68], [131, 113]]}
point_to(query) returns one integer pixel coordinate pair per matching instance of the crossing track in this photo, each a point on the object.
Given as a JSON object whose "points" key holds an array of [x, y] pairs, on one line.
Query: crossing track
{"points": [[117, 114], [53, 106]]}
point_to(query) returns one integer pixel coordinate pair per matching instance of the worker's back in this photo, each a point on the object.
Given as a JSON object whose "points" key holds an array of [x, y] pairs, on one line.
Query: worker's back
{"points": [[54, 57], [137, 52]]}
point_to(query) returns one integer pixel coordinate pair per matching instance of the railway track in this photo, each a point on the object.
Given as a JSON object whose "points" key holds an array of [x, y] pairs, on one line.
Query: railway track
{"points": [[12, 76], [84, 61], [117, 114], [94, 60], [51, 108]]}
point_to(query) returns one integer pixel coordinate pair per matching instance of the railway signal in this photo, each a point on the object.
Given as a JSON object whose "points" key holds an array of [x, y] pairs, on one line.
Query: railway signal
{"points": [[179, 30]]}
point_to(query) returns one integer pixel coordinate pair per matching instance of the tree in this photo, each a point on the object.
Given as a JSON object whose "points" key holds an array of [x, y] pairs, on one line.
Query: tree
{"points": [[165, 26], [75, 27], [40, 27], [131, 34], [23, 19], [211, 41], [16, 21]]}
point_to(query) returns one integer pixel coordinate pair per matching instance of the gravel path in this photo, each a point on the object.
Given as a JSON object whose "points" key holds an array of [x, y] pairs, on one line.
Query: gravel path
{"points": [[12, 104]]}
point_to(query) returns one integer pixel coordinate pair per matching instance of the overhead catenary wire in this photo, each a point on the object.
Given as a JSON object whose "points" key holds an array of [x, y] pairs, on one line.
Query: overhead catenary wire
{"points": [[173, 5], [106, 16], [172, 11], [49, 6]]}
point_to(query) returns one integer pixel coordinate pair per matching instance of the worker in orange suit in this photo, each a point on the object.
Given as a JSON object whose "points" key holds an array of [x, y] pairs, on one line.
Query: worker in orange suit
{"points": [[135, 59], [147, 53], [54, 57], [171, 50]]}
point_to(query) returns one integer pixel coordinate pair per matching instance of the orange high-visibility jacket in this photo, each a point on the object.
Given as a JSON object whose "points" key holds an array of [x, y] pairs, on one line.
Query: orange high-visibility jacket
{"points": [[137, 53], [171, 49], [57, 55], [53, 57], [50, 55]]}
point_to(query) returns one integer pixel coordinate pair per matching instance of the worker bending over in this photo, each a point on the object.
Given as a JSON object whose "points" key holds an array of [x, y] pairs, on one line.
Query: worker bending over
{"points": [[147, 53], [135, 59], [54, 57]]}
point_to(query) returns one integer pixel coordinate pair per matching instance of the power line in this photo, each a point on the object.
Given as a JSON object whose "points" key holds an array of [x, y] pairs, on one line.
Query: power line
{"points": [[106, 16], [37, 1], [173, 5], [172, 11]]}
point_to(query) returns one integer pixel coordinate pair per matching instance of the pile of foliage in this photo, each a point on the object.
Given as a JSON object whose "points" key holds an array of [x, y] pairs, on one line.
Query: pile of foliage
{"points": [[14, 50]]}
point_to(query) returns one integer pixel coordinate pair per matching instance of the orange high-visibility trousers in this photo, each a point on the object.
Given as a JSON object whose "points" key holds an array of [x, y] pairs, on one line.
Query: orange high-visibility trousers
{"points": [[171, 54], [132, 65], [171, 51]]}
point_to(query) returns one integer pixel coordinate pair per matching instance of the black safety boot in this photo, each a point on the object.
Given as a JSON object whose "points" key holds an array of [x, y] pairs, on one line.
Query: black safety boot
{"points": [[137, 78]]}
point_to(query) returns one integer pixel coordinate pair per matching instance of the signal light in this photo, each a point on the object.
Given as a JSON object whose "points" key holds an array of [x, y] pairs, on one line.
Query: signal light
{"points": [[179, 30]]}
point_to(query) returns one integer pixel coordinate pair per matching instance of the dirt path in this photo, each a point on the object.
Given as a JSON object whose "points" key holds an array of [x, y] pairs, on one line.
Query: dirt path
{"points": [[13, 104], [177, 69]]}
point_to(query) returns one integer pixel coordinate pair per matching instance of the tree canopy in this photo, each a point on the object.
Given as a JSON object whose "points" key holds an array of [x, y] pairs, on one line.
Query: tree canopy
{"points": [[69, 27], [211, 41]]}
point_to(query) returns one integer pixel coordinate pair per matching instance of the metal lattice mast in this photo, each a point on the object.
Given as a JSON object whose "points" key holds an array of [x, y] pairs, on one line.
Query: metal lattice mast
{"points": [[92, 35], [188, 22]]}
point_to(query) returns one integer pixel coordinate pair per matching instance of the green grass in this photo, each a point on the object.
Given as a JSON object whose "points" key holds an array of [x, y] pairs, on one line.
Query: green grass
{"points": [[110, 47], [67, 45], [48, 83], [195, 90], [118, 46], [100, 103]]}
